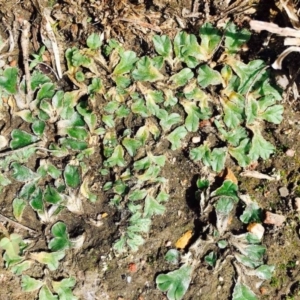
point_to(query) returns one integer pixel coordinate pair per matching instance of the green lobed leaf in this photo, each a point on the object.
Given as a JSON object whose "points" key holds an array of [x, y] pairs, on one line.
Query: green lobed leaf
{"points": [[27, 190], [46, 91], [247, 73], [168, 120], [210, 39], [71, 144], [96, 86], [150, 174], [234, 38], [255, 252], [187, 49], [233, 110], [64, 288], [202, 153], [182, 77], [172, 256], [45, 294], [272, 114], [145, 71], [108, 120], [246, 261], [36, 201], [252, 213], [176, 136], [119, 187], [264, 272], [227, 189], [50, 259], [240, 153], [163, 46], [117, 157], [142, 164], [136, 195], [175, 282], [260, 147], [211, 258], [243, 292], [51, 195], [72, 176], [224, 206], [21, 139], [18, 208], [38, 79], [131, 145], [207, 76], [94, 41], [128, 59], [61, 238], [11, 245], [79, 76], [79, 133], [153, 207], [8, 80], [21, 267], [38, 127], [218, 158], [22, 173], [134, 241], [30, 284]]}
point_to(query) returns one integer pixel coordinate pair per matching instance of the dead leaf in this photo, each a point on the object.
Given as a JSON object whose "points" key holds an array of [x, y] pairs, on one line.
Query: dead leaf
{"points": [[184, 240], [227, 174], [13, 63], [104, 215], [258, 175], [230, 176], [274, 219], [277, 64], [291, 12]]}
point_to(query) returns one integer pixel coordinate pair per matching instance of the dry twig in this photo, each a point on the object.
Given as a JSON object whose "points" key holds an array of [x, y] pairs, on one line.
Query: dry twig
{"points": [[25, 52], [16, 224]]}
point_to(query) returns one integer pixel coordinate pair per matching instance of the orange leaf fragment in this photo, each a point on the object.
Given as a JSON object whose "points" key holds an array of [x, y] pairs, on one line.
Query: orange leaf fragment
{"points": [[230, 176], [227, 174], [184, 240], [104, 215], [274, 219], [13, 63]]}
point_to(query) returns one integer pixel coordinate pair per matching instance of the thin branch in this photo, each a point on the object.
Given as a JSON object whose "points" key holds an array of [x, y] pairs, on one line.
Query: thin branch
{"points": [[25, 47], [16, 224], [6, 153], [273, 28]]}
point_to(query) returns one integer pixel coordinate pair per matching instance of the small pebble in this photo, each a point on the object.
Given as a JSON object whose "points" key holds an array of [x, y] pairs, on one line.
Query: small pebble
{"points": [[290, 153], [274, 219], [132, 267], [284, 192], [129, 278], [256, 229], [169, 243], [196, 139]]}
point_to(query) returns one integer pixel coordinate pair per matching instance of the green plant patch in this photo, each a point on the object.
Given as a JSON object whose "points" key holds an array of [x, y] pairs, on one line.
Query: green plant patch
{"points": [[162, 98]]}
